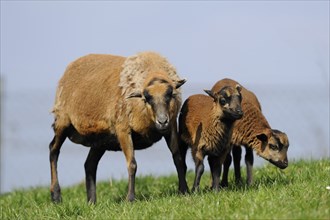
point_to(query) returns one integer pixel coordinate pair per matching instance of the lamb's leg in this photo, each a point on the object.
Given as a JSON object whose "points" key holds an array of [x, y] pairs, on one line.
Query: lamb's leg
{"points": [[215, 167], [91, 163], [249, 165], [178, 158], [237, 152], [199, 169], [126, 143], [54, 151], [226, 165]]}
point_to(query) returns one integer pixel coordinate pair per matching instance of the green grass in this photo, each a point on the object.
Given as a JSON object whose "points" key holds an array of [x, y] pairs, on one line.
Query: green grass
{"points": [[298, 192]]}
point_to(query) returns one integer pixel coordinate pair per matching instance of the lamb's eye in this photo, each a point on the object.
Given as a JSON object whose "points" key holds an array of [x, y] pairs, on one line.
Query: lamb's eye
{"points": [[273, 147], [222, 101]]}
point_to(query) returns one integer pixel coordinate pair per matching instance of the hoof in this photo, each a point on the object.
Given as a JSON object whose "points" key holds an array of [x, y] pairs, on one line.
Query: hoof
{"points": [[224, 184], [130, 198], [56, 198]]}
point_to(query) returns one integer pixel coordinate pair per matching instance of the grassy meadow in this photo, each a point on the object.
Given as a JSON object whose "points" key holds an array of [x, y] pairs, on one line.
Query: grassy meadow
{"points": [[298, 192]]}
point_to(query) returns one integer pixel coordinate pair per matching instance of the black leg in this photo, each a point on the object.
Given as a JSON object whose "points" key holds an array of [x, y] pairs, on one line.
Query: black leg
{"points": [[172, 141], [237, 153], [91, 163], [54, 151], [226, 165], [215, 167], [249, 165], [199, 170]]}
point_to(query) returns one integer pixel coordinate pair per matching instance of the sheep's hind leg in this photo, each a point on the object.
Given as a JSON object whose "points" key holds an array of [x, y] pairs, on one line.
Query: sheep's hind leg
{"points": [[91, 163], [54, 151], [199, 169], [215, 167], [249, 164]]}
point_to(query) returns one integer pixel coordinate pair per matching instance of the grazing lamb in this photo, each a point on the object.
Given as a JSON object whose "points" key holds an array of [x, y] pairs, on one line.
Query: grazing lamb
{"points": [[254, 133], [114, 103], [205, 124]]}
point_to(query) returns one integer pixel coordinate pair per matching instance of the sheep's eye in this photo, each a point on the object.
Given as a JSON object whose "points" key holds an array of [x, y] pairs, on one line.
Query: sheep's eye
{"points": [[168, 97], [169, 94], [273, 147], [222, 101], [147, 96]]}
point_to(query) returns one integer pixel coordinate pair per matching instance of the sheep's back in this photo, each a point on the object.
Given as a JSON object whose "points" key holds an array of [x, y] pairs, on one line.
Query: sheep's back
{"points": [[197, 124], [88, 92]]}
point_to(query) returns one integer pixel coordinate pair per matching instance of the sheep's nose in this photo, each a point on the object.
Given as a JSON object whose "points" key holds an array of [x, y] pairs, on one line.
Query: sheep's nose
{"points": [[162, 122], [239, 112]]}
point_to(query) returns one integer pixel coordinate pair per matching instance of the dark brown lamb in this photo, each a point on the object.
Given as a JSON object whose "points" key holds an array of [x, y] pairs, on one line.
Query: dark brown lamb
{"points": [[254, 133], [205, 125]]}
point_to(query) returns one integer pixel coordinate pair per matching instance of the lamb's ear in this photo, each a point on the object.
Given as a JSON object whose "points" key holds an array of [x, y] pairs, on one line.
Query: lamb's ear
{"points": [[210, 93], [263, 137], [135, 95], [180, 83], [238, 88]]}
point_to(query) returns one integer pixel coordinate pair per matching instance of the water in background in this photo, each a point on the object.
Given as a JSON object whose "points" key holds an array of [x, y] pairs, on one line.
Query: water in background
{"points": [[301, 112]]}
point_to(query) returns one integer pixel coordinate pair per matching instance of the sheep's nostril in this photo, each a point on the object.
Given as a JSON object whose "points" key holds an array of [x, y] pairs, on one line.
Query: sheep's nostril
{"points": [[163, 121], [162, 124]]}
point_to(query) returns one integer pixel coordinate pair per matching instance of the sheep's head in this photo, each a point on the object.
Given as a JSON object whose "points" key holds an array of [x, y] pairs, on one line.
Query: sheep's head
{"points": [[274, 147], [229, 99], [160, 97]]}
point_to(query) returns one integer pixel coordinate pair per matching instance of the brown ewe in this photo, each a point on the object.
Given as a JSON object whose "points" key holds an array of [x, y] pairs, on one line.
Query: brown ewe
{"points": [[114, 103]]}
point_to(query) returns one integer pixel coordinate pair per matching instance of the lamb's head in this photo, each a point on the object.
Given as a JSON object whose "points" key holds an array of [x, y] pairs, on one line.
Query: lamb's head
{"points": [[229, 99], [274, 147], [161, 99]]}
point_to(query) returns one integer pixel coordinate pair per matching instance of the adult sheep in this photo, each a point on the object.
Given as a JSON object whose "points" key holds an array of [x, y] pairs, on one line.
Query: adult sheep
{"points": [[114, 103], [254, 133], [205, 125]]}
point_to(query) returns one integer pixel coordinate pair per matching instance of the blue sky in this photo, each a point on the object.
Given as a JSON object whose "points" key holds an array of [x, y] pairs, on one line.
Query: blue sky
{"points": [[254, 42]]}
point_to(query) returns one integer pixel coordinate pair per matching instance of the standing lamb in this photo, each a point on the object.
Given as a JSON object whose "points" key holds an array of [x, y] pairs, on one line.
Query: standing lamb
{"points": [[114, 103], [254, 133], [205, 124]]}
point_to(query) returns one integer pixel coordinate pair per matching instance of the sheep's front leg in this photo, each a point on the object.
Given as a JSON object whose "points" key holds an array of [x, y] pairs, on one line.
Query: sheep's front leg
{"points": [[126, 143], [237, 152], [91, 163], [226, 165], [180, 164], [215, 167]]}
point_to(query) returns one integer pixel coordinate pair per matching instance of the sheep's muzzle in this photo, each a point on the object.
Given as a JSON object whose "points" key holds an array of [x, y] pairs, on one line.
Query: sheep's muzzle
{"points": [[162, 123], [280, 164]]}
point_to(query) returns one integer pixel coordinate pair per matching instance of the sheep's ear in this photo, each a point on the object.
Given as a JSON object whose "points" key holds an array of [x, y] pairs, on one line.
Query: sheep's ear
{"points": [[210, 93], [238, 88], [263, 137], [180, 83], [135, 95]]}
